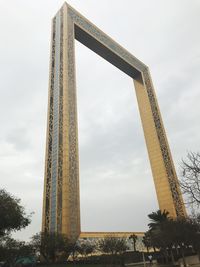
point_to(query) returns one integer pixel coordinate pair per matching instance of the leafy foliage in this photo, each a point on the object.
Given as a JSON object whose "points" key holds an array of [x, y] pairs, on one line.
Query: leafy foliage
{"points": [[11, 250], [166, 233], [12, 214], [157, 218], [113, 245], [85, 248], [147, 240], [51, 245]]}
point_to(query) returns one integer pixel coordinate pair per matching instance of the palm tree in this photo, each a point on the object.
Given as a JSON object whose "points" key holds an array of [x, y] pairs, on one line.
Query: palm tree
{"points": [[146, 240], [134, 239], [167, 233], [159, 221], [157, 218]]}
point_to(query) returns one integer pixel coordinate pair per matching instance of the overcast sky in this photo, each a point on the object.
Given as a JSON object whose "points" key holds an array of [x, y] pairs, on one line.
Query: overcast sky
{"points": [[117, 190]]}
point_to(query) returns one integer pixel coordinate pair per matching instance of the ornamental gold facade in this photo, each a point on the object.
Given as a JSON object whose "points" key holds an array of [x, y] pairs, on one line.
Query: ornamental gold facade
{"points": [[61, 203]]}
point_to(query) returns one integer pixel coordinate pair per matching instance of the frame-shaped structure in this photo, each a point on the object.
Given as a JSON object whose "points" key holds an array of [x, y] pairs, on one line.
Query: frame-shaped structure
{"points": [[61, 207]]}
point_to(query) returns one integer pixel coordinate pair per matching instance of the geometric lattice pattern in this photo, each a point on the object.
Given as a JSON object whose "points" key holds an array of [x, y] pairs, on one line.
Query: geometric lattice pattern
{"points": [[61, 205]]}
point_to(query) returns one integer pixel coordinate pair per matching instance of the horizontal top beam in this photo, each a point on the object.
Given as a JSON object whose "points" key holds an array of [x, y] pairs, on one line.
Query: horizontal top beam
{"points": [[99, 42]]}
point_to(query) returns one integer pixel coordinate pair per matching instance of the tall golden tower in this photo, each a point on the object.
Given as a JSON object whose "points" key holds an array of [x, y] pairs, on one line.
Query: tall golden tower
{"points": [[61, 204]]}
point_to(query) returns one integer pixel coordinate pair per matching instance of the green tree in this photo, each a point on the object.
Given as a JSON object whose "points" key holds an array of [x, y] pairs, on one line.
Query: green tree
{"points": [[161, 238], [85, 248], [113, 246], [158, 232], [196, 240], [146, 240], [184, 233], [12, 215], [11, 250], [74, 249], [52, 246], [167, 233], [157, 218]]}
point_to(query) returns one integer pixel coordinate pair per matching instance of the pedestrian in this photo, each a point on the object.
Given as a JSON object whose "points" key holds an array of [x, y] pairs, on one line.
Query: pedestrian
{"points": [[150, 259]]}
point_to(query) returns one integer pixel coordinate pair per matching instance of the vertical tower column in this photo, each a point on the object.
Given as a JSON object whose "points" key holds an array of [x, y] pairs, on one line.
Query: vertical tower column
{"points": [[49, 137], [61, 205], [164, 174], [70, 198]]}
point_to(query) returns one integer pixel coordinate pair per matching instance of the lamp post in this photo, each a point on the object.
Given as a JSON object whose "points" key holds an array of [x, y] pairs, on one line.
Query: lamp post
{"points": [[141, 248]]}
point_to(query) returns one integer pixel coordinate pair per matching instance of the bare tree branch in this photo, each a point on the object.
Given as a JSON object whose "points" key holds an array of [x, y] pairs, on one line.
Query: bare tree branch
{"points": [[190, 177]]}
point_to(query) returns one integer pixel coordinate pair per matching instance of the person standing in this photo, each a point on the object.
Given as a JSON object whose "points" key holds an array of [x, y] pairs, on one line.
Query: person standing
{"points": [[150, 259]]}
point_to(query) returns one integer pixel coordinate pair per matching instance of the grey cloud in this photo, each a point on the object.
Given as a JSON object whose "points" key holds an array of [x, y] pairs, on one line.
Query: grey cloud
{"points": [[114, 169]]}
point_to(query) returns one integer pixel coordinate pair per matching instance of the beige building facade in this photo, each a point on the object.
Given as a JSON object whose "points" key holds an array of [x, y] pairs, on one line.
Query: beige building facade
{"points": [[61, 202]]}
